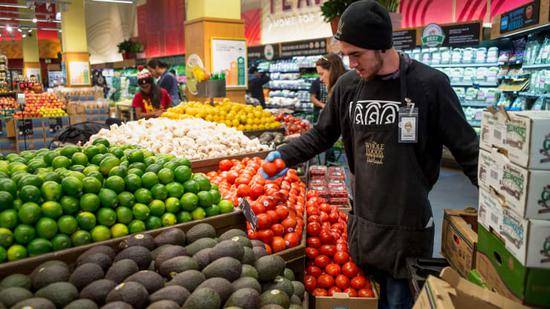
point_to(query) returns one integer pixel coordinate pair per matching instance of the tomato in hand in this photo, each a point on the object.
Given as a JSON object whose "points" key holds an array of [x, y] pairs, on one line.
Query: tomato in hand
{"points": [[279, 164], [270, 168]]}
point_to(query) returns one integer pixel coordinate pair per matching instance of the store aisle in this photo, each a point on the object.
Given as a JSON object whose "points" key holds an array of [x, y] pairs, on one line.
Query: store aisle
{"points": [[452, 190]]}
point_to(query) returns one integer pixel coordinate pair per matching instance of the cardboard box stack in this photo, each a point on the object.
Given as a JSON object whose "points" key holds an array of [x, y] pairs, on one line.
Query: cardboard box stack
{"points": [[513, 250], [459, 239], [92, 111]]}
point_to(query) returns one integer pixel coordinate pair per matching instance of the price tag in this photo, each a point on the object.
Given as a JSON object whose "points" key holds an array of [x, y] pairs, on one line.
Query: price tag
{"points": [[25, 127], [248, 213], [55, 124]]}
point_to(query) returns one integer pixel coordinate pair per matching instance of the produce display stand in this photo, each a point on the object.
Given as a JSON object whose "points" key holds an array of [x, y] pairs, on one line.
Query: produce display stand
{"points": [[208, 165], [257, 133]]}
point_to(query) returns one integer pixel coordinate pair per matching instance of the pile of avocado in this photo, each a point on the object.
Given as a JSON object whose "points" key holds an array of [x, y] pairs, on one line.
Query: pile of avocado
{"points": [[175, 269]]}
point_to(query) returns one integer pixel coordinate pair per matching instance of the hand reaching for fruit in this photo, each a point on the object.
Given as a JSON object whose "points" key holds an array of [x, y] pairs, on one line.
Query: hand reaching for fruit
{"points": [[273, 166]]}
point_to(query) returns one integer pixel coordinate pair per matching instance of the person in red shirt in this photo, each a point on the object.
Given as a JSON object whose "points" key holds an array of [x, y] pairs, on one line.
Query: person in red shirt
{"points": [[151, 101]]}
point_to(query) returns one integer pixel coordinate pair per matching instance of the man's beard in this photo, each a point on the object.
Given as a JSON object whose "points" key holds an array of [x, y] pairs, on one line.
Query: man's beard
{"points": [[374, 68]]}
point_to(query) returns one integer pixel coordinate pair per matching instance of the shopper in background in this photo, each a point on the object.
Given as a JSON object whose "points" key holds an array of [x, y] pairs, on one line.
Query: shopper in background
{"points": [[166, 80], [394, 115], [329, 68], [256, 82], [151, 100]]}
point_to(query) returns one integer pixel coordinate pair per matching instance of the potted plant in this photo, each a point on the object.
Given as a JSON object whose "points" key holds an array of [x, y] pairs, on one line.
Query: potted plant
{"points": [[129, 48], [333, 9]]}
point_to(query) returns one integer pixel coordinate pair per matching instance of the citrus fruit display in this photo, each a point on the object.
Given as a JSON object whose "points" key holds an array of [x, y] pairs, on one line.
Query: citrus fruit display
{"points": [[57, 199]]}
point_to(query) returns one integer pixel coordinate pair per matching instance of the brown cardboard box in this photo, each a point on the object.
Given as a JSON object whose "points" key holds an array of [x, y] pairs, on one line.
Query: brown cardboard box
{"points": [[342, 300], [459, 239], [77, 119], [452, 291]]}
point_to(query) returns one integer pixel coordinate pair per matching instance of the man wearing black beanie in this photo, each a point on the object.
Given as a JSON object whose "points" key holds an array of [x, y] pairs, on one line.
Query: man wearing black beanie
{"points": [[394, 115]]}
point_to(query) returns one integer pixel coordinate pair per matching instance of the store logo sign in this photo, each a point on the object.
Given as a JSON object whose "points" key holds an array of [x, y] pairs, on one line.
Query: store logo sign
{"points": [[269, 52], [432, 36]]}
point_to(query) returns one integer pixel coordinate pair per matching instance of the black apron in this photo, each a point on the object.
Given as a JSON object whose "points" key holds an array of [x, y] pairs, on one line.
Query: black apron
{"points": [[391, 219]]}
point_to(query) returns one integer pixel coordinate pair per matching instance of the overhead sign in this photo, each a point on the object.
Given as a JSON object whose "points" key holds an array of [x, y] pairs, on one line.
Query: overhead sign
{"points": [[304, 48], [267, 52], [458, 35], [229, 56], [522, 17], [404, 39], [432, 36]]}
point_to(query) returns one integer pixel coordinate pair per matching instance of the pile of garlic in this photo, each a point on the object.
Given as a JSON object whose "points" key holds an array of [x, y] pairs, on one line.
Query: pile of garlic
{"points": [[193, 138]]}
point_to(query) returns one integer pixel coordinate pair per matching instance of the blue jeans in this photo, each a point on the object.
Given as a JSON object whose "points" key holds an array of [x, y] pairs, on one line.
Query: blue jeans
{"points": [[394, 293]]}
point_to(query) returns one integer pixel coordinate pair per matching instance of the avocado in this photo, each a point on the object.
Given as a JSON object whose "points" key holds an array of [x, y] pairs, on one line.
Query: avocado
{"points": [[200, 244], [86, 274], [99, 258], [81, 304], [97, 291], [299, 289], [189, 279], [177, 265], [132, 293], [269, 267], [13, 295], [289, 274], [203, 257], [259, 252], [16, 280], [227, 248], [249, 271], [257, 243], [139, 254], [201, 230], [174, 293], [248, 256], [244, 298], [204, 298], [155, 252], [280, 283], [231, 233], [220, 285], [99, 249], [170, 251], [276, 297], [272, 306], [226, 267], [117, 305], [171, 236], [247, 282], [49, 272], [295, 300], [121, 270], [164, 304], [60, 293], [243, 240], [34, 303], [144, 240], [149, 279]]}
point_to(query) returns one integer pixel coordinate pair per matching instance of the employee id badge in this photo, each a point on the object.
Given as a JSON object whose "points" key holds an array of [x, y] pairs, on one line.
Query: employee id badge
{"points": [[408, 125]]}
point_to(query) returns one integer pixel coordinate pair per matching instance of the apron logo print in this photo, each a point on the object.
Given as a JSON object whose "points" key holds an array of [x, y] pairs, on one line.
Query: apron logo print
{"points": [[374, 153], [373, 112]]}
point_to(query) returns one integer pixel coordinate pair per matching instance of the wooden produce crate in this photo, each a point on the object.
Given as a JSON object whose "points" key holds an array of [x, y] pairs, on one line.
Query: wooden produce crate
{"points": [[257, 133], [208, 165]]}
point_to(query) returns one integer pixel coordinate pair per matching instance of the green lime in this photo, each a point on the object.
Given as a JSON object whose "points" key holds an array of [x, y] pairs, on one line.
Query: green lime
{"points": [[159, 192], [168, 219], [115, 183], [72, 186], [157, 208], [39, 246], [153, 223], [119, 230], [61, 161], [139, 166], [69, 150], [126, 199], [91, 185], [96, 160], [165, 176], [8, 185], [91, 151], [24, 233], [86, 220], [80, 238], [216, 196], [203, 182], [52, 210], [70, 205], [100, 233], [140, 211], [213, 210], [198, 213], [149, 179], [17, 204], [107, 164], [8, 218], [189, 201], [191, 186], [29, 213], [51, 176], [51, 191], [135, 171], [136, 226], [183, 161], [102, 148], [153, 168], [205, 199], [90, 169], [108, 198], [79, 158], [226, 206], [106, 216], [6, 200], [46, 228], [96, 175], [89, 202], [67, 225], [30, 180], [6, 237], [135, 156], [117, 151], [77, 168], [133, 182], [16, 252], [124, 215], [30, 194], [143, 196], [120, 171], [3, 255], [171, 165], [48, 157], [172, 205], [61, 242], [150, 160], [175, 189]]}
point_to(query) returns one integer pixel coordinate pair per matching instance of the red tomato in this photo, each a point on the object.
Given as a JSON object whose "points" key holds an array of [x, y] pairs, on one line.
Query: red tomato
{"points": [[313, 242], [243, 190], [292, 239], [341, 247], [333, 290], [333, 217], [273, 217], [310, 282], [340, 257], [278, 244], [327, 238], [242, 180], [280, 164], [269, 168], [264, 221], [313, 228], [225, 165], [333, 269], [268, 248], [278, 229], [320, 292], [257, 208], [358, 282], [342, 281], [365, 293], [231, 177], [311, 252], [290, 224], [256, 191], [282, 212], [325, 281], [351, 292], [314, 271], [322, 261], [265, 235], [350, 269], [328, 250]]}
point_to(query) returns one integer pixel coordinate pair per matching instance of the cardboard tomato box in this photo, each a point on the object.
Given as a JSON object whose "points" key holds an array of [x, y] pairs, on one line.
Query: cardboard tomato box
{"points": [[342, 300], [459, 239]]}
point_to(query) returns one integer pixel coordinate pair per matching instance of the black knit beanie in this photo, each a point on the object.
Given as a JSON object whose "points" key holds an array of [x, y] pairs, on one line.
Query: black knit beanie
{"points": [[366, 24]]}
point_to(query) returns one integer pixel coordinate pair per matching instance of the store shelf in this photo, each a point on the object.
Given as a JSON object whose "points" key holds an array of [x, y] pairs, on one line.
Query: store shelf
{"points": [[536, 66], [536, 95], [474, 84], [476, 103], [464, 65], [475, 123], [290, 89]]}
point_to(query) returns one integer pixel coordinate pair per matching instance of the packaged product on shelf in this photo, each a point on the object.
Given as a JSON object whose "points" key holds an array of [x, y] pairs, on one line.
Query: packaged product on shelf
{"points": [[456, 56], [481, 94], [320, 170], [456, 74], [460, 92], [541, 104], [436, 57], [469, 75], [471, 93], [519, 104], [492, 75], [481, 55], [445, 55], [481, 74], [468, 55], [426, 56]]}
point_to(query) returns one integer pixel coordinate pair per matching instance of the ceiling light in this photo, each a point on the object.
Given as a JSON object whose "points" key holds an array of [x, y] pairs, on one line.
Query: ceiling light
{"points": [[24, 35], [19, 29], [58, 16], [29, 31], [9, 28], [35, 20]]}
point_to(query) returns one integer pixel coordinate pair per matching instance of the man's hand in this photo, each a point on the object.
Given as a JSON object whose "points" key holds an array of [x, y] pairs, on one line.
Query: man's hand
{"points": [[272, 156]]}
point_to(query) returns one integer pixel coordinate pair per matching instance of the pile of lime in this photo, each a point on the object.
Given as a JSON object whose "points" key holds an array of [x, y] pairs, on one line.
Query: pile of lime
{"points": [[56, 199]]}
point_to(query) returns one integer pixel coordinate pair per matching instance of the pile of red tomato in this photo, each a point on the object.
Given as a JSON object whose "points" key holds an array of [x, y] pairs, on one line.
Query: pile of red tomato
{"points": [[293, 125], [329, 266], [278, 204]]}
